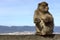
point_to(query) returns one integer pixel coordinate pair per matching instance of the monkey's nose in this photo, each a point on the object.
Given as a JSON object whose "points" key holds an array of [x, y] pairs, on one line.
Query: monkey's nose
{"points": [[46, 7]]}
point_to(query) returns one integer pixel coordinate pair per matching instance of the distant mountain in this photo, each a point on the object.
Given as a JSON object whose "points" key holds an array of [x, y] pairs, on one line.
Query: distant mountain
{"points": [[7, 29], [57, 29]]}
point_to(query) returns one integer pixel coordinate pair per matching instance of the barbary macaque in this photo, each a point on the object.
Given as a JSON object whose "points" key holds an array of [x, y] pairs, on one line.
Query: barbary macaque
{"points": [[43, 19]]}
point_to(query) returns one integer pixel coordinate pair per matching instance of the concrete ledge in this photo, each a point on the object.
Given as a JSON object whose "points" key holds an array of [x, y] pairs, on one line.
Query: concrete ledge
{"points": [[30, 37]]}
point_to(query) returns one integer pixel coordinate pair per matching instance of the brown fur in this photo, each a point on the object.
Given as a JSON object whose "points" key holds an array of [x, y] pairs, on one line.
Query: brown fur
{"points": [[43, 19]]}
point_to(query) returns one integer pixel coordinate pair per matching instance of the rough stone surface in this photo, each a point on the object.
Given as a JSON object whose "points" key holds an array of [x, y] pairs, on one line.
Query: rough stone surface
{"points": [[30, 37]]}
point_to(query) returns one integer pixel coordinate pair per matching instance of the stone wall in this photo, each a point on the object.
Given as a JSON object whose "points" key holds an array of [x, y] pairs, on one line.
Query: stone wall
{"points": [[30, 37]]}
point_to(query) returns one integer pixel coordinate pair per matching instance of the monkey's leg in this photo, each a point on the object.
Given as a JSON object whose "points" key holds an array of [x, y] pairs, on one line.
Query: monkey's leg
{"points": [[50, 30], [44, 28], [38, 31], [44, 31]]}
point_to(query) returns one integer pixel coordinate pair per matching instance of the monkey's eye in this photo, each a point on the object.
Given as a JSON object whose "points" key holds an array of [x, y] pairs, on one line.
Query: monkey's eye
{"points": [[43, 5]]}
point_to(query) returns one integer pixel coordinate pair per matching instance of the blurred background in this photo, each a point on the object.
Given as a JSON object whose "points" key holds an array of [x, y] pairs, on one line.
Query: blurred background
{"points": [[17, 13], [20, 12]]}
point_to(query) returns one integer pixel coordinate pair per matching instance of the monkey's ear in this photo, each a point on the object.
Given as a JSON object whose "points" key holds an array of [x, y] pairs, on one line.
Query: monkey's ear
{"points": [[46, 4], [39, 4]]}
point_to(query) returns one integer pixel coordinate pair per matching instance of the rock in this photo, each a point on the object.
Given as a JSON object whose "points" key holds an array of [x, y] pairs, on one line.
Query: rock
{"points": [[30, 37]]}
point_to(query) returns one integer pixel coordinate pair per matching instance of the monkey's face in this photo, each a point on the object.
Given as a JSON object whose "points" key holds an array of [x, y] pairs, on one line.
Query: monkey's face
{"points": [[43, 7]]}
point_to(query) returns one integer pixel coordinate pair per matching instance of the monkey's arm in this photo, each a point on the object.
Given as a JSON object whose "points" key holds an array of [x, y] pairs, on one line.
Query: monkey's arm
{"points": [[50, 22], [36, 19], [48, 18], [51, 25]]}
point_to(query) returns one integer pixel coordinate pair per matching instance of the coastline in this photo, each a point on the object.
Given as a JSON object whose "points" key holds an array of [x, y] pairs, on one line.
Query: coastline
{"points": [[24, 33]]}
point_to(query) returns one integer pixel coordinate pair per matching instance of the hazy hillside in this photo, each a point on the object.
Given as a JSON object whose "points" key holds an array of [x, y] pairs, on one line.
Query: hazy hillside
{"points": [[6, 29]]}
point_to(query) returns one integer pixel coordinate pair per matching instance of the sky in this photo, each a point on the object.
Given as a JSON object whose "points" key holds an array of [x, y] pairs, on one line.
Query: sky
{"points": [[20, 12]]}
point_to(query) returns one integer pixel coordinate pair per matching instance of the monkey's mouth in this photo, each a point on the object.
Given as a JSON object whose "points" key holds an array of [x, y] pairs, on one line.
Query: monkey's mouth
{"points": [[45, 10]]}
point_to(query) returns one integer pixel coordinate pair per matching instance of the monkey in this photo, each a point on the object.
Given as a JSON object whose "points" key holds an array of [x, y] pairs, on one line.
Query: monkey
{"points": [[43, 19]]}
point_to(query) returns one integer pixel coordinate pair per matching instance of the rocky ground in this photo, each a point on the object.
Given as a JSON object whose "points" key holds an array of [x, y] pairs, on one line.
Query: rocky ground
{"points": [[30, 37]]}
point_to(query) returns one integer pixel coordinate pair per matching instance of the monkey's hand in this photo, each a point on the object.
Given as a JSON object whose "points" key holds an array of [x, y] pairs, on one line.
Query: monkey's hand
{"points": [[46, 20], [37, 20]]}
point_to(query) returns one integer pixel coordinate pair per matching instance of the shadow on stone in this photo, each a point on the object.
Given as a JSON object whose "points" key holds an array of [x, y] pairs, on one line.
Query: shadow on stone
{"points": [[49, 36]]}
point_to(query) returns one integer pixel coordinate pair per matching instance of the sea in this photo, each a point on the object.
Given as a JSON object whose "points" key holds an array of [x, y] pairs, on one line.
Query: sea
{"points": [[23, 30]]}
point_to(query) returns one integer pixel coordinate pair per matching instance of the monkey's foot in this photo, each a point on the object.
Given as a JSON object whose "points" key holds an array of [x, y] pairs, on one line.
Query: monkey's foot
{"points": [[38, 33]]}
